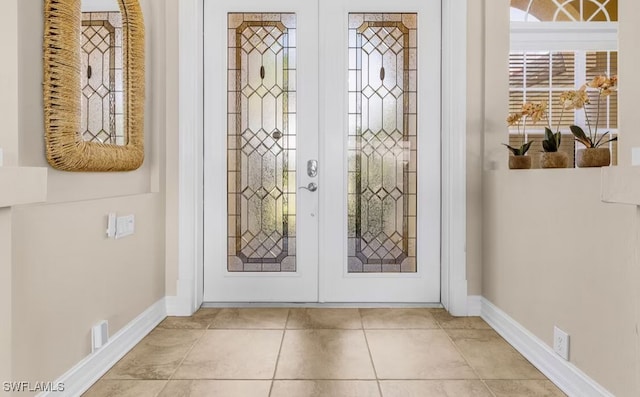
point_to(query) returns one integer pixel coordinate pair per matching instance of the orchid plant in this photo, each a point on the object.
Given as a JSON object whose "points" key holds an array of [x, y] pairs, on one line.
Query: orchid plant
{"points": [[572, 100], [535, 111]]}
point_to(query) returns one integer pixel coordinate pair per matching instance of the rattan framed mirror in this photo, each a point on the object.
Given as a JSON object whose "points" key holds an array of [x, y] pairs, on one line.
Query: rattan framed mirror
{"points": [[94, 85]]}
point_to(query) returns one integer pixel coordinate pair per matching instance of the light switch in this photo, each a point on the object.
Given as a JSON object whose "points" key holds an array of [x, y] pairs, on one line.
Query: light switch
{"points": [[111, 225], [125, 226], [1, 157]]}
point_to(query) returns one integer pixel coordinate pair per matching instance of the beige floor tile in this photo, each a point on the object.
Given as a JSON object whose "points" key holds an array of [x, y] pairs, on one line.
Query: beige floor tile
{"points": [[491, 356], [416, 354], [249, 318], [221, 388], [200, 320], [325, 388], [324, 354], [434, 388], [324, 319], [126, 388], [397, 319], [447, 321], [524, 388], [157, 356], [232, 354]]}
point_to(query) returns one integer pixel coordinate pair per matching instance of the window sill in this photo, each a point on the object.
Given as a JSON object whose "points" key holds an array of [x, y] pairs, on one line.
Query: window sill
{"points": [[22, 185]]}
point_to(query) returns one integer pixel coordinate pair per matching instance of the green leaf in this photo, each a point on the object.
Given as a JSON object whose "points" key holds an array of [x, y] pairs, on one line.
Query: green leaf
{"points": [[515, 151], [586, 143], [525, 148], [610, 140], [600, 140], [578, 132], [551, 142], [548, 134], [580, 136]]}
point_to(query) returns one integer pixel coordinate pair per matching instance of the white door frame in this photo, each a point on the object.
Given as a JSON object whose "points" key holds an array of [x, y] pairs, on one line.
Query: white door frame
{"points": [[190, 202]]}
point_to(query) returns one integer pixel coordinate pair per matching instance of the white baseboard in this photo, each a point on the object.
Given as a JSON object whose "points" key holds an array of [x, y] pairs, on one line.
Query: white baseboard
{"points": [[182, 304], [178, 306], [474, 305], [84, 374], [565, 375]]}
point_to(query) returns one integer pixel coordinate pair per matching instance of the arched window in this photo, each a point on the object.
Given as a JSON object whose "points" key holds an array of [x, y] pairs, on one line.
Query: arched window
{"points": [[518, 15], [559, 45], [566, 10]]}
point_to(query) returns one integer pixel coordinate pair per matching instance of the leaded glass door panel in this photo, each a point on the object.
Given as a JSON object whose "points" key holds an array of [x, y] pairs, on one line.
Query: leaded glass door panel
{"points": [[261, 133], [382, 143]]}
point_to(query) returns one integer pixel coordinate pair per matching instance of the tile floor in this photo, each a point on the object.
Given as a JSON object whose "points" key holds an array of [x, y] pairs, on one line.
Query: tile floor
{"points": [[323, 352]]}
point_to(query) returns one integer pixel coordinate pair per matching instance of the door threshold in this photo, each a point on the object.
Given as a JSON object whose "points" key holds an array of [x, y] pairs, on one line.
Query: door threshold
{"points": [[325, 305]]}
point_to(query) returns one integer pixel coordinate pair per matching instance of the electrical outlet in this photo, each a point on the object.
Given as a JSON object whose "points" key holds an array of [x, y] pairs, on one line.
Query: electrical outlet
{"points": [[561, 343], [99, 335]]}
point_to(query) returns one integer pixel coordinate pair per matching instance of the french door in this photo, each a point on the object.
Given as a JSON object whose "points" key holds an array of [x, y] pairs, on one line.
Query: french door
{"points": [[322, 151]]}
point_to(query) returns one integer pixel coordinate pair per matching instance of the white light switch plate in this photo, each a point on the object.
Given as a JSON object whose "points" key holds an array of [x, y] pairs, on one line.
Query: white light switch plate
{"points": [[125, 226], [1, 157], [111, 225]]}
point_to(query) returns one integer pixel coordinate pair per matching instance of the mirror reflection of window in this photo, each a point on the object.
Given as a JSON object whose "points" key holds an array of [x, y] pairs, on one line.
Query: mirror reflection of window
{"points": [[102, 79]]}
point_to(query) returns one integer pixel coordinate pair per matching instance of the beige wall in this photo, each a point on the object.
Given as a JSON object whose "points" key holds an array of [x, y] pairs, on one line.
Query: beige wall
{"points": [[9, 144], [66, 274], [553, 253], [5, 294], [475, 144], [8, 82], [556, 255], [628, 67], [171, 164]]}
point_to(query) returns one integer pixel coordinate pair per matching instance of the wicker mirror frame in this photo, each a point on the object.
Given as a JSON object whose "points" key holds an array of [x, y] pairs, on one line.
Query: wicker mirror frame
{"points": [[65, 148]]}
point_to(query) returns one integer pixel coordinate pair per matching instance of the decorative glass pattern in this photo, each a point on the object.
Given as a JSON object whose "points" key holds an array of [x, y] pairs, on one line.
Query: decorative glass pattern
{"points": [[382, 186], [564, 10], [261, 142], [102, 78]]}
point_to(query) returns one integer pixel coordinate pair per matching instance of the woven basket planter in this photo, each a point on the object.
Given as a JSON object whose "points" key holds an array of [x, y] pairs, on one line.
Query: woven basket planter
{"points": [[554, 160], [519, 162], [593, 157]]}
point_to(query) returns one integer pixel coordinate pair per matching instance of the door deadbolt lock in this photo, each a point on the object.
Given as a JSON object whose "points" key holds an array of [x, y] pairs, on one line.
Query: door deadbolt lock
{"points": [[312, 168]]}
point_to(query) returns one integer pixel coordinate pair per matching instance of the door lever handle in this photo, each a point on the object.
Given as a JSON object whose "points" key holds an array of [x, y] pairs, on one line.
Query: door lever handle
{"points": [[312, 187]]}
